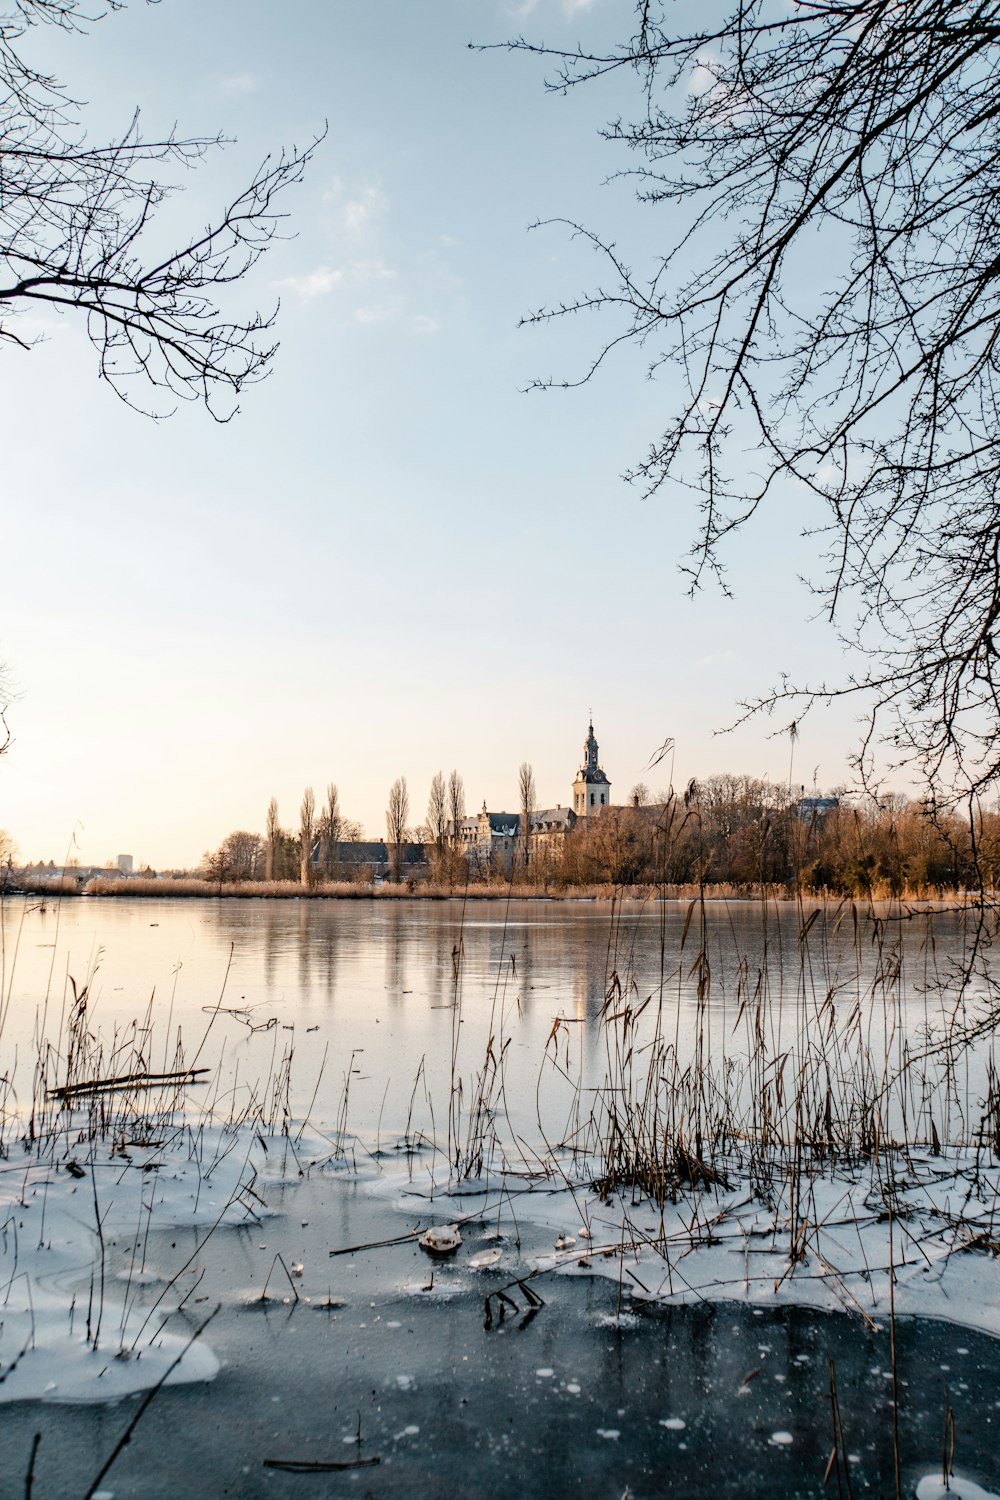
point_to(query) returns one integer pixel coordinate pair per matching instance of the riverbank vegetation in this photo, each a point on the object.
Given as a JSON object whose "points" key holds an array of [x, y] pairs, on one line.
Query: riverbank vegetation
{"points": [[729, 836]]}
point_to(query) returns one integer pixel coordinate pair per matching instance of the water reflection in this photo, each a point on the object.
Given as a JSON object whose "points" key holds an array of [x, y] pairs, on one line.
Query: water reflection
{"points": [[384, 975]]}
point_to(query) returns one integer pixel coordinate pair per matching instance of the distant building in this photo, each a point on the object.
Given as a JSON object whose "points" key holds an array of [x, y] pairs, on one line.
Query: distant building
{"points": [[371, 860], [591, 789], [550, 826], [123, 864], [491, 840], [814, 809]]}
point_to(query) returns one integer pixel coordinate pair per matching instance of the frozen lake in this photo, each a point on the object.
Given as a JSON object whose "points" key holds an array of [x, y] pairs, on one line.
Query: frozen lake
{"points": [[700, 1401], [383, 1012], [393, 993]]}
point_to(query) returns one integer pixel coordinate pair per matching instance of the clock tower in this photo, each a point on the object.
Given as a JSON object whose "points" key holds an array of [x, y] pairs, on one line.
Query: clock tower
{"points": [[591, 789]]}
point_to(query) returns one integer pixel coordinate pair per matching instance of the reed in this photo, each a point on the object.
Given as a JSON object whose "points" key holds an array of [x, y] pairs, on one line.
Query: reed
{"points": [[804, 1071], [641, 893]]}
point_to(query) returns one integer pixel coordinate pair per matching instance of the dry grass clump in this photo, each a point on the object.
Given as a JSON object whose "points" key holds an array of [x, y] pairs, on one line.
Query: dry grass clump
{"points": [[32, 883], [421, 890], [138, 885], [108, 1089], [343, 890], [804, 1070]]}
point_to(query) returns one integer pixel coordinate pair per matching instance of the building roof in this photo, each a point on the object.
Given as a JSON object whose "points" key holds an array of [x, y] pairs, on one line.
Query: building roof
{"points": [[808, 806], [592, 778], [553, 818], [504, 824], [374, 851]]}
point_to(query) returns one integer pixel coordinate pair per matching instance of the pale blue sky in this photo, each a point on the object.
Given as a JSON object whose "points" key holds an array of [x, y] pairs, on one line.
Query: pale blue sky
{"points": [[393, 560]]}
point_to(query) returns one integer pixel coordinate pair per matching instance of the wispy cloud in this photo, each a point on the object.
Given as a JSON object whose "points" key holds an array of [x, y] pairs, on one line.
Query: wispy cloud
{"points": [[333, 189], [312, 284], [361, 213], [394, 311], [520, 8], [325, 279], [374, 269], [369, 290], [239, 83], [377, 313], [704, 74]]}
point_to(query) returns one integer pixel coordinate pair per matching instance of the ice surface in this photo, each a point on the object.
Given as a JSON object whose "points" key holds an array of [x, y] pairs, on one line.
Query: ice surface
{"points": [[72, 1330], [729, 1245], [932, 1487]]}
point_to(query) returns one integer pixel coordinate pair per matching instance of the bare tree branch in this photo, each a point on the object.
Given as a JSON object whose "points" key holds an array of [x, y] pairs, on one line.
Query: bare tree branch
{"points": [[75, 222], [827, 303]]}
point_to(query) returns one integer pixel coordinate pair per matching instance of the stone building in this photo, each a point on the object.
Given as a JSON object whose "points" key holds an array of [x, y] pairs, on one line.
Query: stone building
{"points": [[491, 841], [488, 840], [591, 789]]}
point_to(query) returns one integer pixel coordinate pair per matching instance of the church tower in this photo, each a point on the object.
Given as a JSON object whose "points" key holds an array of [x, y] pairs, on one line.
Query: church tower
{"points": [[591, 789]]}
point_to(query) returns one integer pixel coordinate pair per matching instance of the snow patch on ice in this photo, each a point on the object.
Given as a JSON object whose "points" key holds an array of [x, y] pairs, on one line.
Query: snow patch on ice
{"points": [[931, 1487], [618, 1320], [735, 1248], [51, 1246]]}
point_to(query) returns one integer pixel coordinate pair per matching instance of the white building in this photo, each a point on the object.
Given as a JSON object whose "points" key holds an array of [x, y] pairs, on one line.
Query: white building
{"points": [[492, 840], [591, 789]]}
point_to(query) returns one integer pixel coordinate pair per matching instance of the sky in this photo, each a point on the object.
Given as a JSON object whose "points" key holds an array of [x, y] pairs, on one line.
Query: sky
{"points": [[396, 558]]}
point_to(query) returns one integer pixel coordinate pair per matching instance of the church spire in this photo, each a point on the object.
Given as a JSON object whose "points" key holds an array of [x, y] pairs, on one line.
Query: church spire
{"points": [[590, 749], [591, 789]]}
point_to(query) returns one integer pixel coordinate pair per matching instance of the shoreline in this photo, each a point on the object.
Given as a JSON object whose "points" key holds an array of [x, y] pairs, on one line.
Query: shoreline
{"points": [[190, 888]]}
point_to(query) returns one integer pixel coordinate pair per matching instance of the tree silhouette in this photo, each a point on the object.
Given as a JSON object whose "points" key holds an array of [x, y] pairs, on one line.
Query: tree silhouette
{"points": [[397, 816], [826, 307], [74, 222]]}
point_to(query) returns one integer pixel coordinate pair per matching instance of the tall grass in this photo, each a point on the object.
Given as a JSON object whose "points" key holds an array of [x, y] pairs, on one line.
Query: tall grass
{"points": [[812, 1064], [429, 890], [344, 890], [812, 1070]]}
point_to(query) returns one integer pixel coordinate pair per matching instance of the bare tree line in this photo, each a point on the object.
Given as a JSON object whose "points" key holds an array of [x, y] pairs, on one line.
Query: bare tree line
{"points": [[734, 830], [741, 832], [280, 854], [314, 851], [745, 833]]}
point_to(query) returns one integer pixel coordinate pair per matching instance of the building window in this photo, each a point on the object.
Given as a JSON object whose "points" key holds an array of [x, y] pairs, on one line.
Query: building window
{"points": [[602, 799], [591, 799]]}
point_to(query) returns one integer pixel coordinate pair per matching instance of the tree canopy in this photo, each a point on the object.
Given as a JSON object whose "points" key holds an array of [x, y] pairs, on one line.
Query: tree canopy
{"points": [[825, 309]]}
